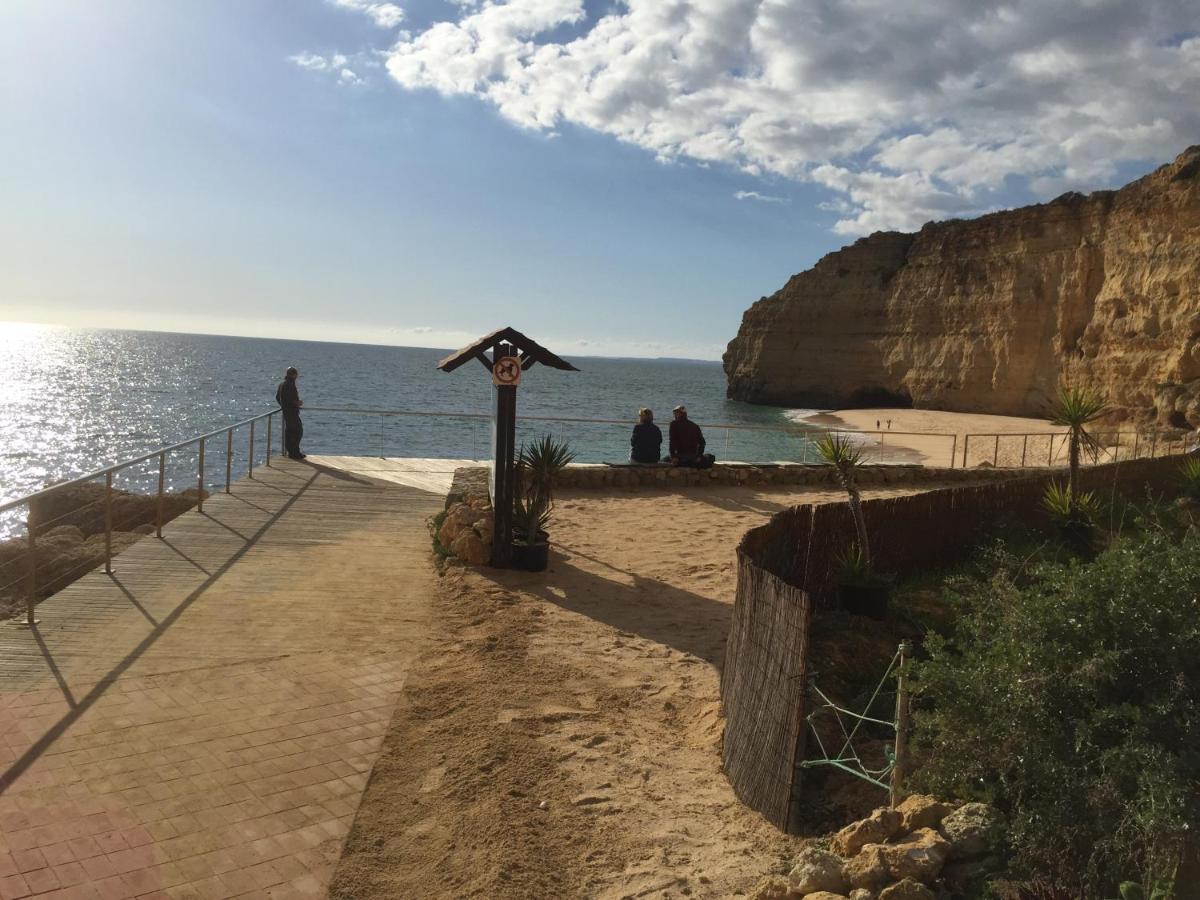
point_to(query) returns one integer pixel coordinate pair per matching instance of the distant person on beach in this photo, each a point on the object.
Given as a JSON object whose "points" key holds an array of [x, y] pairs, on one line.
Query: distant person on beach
{"points": [[687, 442], [287, 395], [646, 443]]}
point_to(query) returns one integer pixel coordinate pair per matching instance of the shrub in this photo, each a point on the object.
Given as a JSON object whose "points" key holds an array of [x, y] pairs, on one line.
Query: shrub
{"points": [[1068, 696]]}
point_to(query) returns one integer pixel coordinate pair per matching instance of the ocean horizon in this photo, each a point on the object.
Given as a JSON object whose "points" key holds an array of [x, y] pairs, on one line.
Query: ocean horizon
{"points": [[74, 400]]}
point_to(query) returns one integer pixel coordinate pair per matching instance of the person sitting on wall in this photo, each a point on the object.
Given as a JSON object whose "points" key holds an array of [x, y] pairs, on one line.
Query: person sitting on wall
{"points": [[646, 443], [686, 445]]}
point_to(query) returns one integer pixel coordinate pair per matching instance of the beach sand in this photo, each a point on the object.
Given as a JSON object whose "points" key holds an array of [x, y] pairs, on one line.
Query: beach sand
{"points": [[561, 738], [931, 435]]}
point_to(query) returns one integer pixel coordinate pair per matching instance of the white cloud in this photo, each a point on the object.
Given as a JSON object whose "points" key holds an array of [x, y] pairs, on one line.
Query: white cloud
{"points": [[336, 65], [385, 15], [761, 198], [907, 110]]}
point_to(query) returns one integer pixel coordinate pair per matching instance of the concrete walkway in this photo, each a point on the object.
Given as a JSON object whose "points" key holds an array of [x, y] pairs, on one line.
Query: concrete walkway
{"points": [[202, 723]]}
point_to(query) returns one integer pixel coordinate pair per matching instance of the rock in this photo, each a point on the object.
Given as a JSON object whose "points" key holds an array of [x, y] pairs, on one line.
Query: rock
{"points": [[972, 830], [469, 548], [773, 887], [72, 532], [1081, 289], [448, 532], [878, 827], [920, 855], [869, 869], [861, 894], [824, 895], [815, 869], [922, 811], [908, 889]]}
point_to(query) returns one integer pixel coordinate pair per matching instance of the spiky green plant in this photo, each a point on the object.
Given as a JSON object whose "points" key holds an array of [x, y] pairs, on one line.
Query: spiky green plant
{"points": [[1057, 501], [846, 456], [1075, 408], [1189, 474], [539, 462]]}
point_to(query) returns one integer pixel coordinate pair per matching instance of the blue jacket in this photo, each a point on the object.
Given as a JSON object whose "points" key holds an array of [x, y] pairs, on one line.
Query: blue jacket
{"points": [[646, 443]]}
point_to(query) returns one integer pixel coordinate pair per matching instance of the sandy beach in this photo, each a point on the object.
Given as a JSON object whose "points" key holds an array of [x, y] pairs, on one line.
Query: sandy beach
{"points": [[561, 737], [931, 435]]}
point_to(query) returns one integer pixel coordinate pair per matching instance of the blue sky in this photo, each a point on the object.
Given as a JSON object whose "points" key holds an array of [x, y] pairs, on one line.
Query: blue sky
{"points": [[615, 179]]}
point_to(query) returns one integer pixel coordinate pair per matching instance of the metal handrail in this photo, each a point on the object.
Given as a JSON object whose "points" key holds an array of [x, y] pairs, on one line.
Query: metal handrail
{"points": [[124, 464]]}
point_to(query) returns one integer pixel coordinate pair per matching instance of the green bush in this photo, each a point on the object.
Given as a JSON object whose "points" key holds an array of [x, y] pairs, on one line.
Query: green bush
{"points": [[1069, 696]]}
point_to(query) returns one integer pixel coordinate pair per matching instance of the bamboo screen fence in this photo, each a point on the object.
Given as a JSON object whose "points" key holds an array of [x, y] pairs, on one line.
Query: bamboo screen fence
{"points": [[786, 571]]}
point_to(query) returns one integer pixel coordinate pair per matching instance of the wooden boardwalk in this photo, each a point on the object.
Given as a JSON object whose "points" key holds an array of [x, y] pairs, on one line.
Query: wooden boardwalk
{"points": [[202, 722]]}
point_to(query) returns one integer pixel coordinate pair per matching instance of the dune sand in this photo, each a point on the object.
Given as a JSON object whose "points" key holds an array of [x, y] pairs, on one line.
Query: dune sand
{"points": [[561, 737]]}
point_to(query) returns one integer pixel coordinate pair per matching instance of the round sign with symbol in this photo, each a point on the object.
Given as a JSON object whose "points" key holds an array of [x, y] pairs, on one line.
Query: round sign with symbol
{"points": [[507, 371]]}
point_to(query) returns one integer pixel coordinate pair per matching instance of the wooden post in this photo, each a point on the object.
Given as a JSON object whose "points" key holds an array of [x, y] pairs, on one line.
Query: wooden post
{"points": [[250, 458], [898, 770], [200, 479], [1050, 459], [953, 449], [996, 453], [228, 458], [1024, 448], [1137, 435], [270, 419], [966, 440], [505, 475]]}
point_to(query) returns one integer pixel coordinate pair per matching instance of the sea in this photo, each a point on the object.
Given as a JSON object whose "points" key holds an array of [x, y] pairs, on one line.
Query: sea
{"points": [[75, 400]]}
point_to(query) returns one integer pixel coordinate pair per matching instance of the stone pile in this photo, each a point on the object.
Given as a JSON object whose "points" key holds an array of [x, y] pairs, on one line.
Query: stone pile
{"points": [[467, 529], [921, 850]]}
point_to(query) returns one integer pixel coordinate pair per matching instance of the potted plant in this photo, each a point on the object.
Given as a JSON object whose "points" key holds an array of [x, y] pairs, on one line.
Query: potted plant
{"points": [[861, 590], [537, 466]]}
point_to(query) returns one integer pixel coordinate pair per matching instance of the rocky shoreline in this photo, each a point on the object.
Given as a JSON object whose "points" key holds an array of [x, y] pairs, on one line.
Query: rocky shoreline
{"points": [[69, 538]]}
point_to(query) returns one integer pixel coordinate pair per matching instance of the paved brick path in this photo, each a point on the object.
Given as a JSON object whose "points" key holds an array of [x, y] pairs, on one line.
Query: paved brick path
{"points": [[202, 723]]}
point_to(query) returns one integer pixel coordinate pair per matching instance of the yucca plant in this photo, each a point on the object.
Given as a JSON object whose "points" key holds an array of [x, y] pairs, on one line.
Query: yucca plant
{"points": [[845, 456], [539, 462], [1084, 507], [1075, 408], [1189, 475]]}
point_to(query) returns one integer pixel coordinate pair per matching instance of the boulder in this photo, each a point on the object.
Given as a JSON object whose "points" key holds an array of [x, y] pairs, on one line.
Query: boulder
{"points": [[972, 830], [448, 532], [908, 889], [869, 869], [861, 894], [922, 811], [817, 870], [469, 548], [878, 827], [919, 856], [72, 532], [773, 887], [824, 895]]}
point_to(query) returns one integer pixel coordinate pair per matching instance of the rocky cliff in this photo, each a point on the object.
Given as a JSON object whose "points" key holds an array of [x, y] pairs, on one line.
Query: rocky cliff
{"points": [[993, 314]]}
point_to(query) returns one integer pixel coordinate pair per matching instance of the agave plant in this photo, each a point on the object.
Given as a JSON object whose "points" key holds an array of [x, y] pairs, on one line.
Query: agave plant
{"points": [[845, 456], [1075, 408], [539, 463]]}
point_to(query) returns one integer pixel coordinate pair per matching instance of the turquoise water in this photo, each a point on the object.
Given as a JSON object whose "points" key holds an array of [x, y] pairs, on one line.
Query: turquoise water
{"points": [[74, 400]]}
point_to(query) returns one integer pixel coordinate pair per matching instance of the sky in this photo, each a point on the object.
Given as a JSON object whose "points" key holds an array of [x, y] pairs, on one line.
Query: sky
{"points": [[613, 178]]}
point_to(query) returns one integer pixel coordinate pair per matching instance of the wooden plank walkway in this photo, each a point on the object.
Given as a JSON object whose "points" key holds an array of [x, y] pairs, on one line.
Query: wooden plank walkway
{"points": [[202, 723]]}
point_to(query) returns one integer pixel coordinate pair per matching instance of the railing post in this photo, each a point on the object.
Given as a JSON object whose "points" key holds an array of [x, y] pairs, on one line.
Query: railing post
{"points": [[726, 450], [1137, 435], [882, 440], [953, 448], [1024, 448], [270, 419], [966, 440], [1153, 444], [996, 454], [158, 506], [901, 726], [108, 522], [1050, 458], [200, 479], [250, 464], [381, 436], [31, 594], [228, 458]]}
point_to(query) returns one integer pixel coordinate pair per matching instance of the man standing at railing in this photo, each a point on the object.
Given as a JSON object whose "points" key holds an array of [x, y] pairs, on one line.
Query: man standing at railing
{"points": [[287, 395]]}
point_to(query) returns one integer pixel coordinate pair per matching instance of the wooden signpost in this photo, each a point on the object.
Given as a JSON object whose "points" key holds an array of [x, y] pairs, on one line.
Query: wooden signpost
{"points": [[511, 354]]}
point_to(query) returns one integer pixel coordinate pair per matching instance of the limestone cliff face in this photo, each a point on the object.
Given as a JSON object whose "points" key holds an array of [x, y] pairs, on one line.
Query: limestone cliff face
{"points": [[992, 315]]}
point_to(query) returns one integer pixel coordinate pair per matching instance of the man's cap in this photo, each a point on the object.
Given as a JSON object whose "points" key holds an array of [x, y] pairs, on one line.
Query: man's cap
{"points": [[292, 370], [680, 408]]}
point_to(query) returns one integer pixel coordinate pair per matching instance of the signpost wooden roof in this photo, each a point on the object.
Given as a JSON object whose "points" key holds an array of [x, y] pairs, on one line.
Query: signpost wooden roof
{"points": [[531, 352]]}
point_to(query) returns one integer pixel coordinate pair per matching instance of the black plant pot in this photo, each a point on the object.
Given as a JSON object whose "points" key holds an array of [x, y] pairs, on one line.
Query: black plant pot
{"points": [[870, 600], [531, 557]]}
